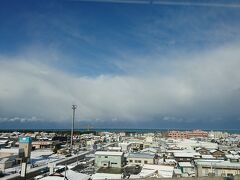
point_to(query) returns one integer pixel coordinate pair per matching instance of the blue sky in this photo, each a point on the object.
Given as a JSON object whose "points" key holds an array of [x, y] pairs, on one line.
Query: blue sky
{"points": [[120, 62]]}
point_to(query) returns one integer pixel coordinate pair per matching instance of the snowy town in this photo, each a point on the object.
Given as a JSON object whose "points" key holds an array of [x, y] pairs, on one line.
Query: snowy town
{"points": [[119, 155]]}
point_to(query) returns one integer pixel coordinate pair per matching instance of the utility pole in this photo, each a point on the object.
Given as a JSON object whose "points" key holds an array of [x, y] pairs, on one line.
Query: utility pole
{"points": [[74, 107]]}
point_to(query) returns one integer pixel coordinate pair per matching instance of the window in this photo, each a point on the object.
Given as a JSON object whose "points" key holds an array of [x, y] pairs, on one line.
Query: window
{"points": [[145, 162], [130, 161], [139, 161], [106, 156], [113, 163], [136, 161]]}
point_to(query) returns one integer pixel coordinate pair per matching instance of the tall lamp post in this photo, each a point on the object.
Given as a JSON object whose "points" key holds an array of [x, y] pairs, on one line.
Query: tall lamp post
{"points": [[74, 107]]}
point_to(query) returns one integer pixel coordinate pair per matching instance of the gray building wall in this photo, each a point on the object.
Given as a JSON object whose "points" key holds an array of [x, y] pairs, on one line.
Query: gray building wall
{"points": [[108, 161]]}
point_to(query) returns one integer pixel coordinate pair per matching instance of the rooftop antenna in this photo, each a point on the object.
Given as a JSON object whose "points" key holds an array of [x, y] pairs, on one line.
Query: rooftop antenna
{"points": [[74, 107]]}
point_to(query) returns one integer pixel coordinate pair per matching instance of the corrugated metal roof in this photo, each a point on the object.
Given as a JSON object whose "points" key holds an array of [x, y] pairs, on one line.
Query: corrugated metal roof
{"points": [[219, 164], [141, 155]]}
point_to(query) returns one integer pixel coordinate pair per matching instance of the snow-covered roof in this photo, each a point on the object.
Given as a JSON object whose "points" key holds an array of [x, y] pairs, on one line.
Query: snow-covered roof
{"points": [[53, 178], [213, 150], [71, 175], [101, 176], [41, 152], [167, 160], [185, 154], [152, 150], [185, 164], [233, 152], [208, 156], [3, 141], [114, 148], [218, 164], [108, 153], [177, 171], [11, 150], [147, 173], [163, 171], [230, 156]]}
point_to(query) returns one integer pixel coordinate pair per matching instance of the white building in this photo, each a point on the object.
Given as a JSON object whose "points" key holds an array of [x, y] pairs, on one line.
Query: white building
{"points": [[140, 158], [216, 167], [109, 159], [187, 168]]}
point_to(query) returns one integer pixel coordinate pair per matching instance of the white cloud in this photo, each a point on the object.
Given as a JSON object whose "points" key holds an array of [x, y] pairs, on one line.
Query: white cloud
{"points": [[201, 85]]}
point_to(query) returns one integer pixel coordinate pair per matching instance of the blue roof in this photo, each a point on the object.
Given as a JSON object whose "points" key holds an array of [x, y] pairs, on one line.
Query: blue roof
{"points": [[26, 139]]}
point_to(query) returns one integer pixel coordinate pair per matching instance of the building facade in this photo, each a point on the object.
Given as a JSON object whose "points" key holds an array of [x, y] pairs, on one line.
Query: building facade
{"points": [[109, 159], [187, 134], [140, 158], [217, 168]]}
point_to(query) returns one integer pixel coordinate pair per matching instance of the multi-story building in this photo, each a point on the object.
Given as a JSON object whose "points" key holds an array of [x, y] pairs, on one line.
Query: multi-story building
{"points": [[187, 134], [177, 134], [141, 158], [109, 159]]}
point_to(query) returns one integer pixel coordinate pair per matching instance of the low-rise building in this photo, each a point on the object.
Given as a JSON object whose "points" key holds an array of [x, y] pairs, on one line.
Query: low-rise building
{"points": [[217, 153], [7, 162], [140, 158], [116, 149], [185, 156], [216, 168], [177, 173], [109, 159], [202, 151], [43, 144], [186, 167], [149, 151]]}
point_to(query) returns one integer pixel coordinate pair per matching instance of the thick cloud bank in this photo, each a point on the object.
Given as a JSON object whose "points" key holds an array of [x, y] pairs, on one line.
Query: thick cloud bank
{"points": [[188, 88]]}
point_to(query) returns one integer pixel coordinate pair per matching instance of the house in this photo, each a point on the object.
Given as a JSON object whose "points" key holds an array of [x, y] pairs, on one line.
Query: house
{"points": [[116, 149], [217, 154], [202, 151], [7, 162], [141, 158], [109, 159], [209, 156], [185, 156], [160, 171], [43, 144], [149, 151], [136, 146], [170, 162], [177, 173], [232, 158], [3, 143], [186, 167], [125, 146], [70, 175]]}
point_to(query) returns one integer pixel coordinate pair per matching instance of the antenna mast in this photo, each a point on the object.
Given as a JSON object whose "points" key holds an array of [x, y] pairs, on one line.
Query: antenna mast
{"points": [[74, 107]]}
